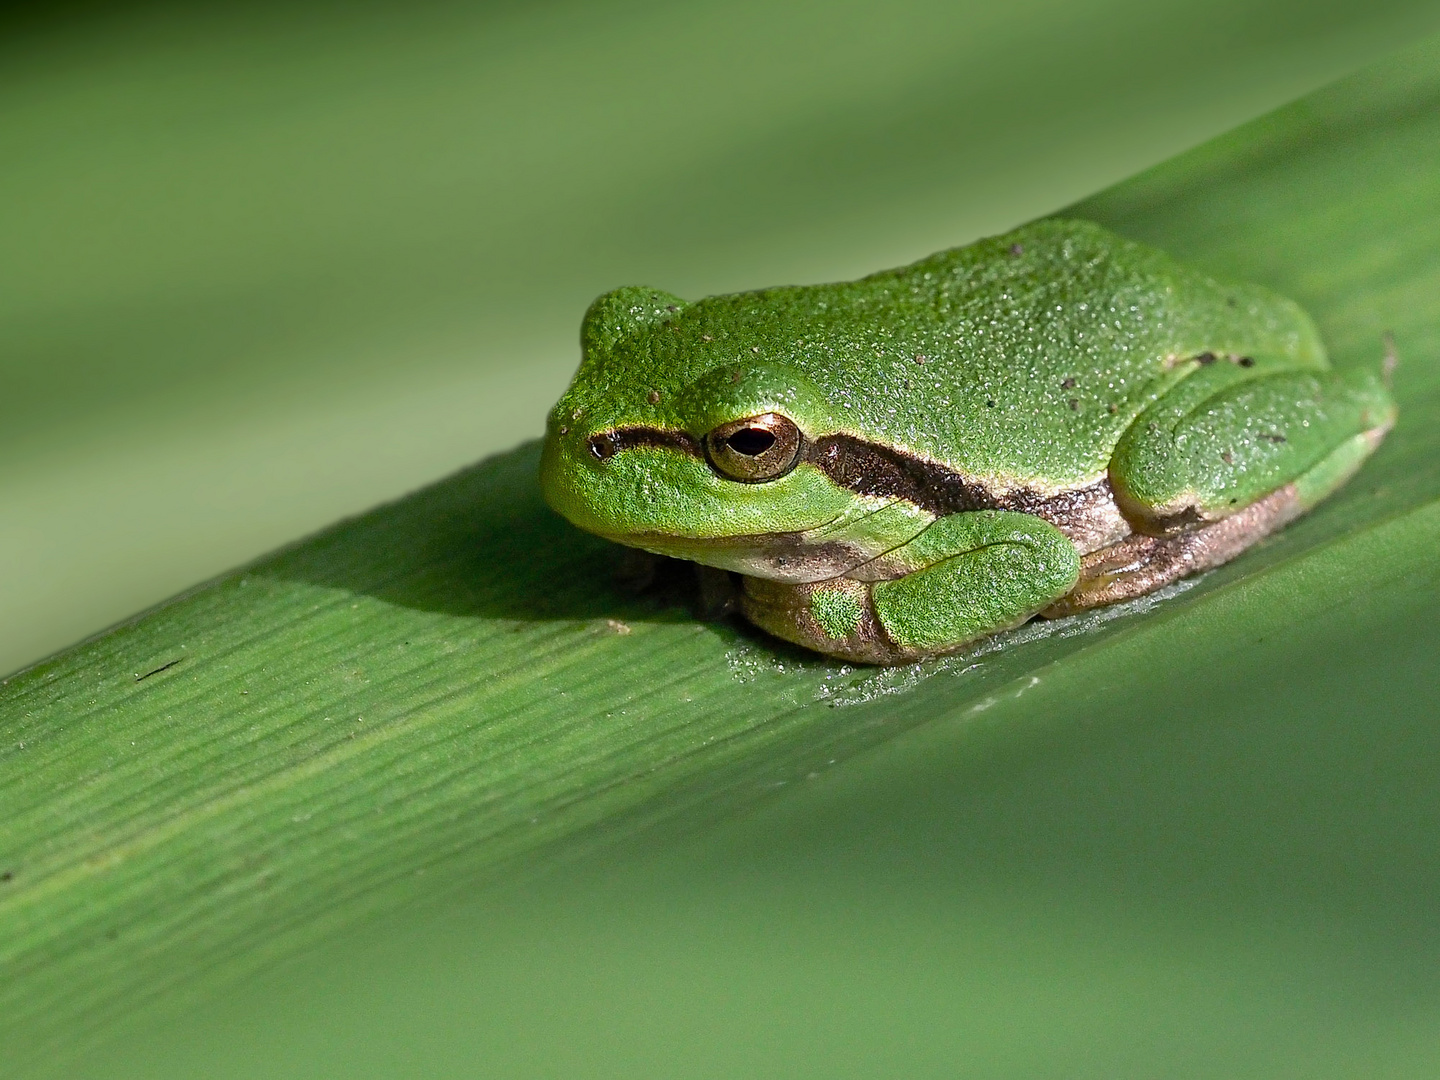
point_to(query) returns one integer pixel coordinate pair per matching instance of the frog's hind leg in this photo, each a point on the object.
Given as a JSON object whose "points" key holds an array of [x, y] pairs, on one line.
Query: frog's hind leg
{"points": [[1191, 539], [1226, 438]]}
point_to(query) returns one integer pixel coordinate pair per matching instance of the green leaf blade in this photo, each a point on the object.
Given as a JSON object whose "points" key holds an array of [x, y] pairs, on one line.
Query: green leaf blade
{"points": [[452, 692]]}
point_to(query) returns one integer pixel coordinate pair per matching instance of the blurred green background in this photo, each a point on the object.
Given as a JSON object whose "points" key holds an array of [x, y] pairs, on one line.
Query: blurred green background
{"points": [[263, 265]]}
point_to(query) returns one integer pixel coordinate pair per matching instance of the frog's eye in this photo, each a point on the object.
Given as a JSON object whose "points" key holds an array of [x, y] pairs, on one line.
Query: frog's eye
{"points": [[755, 449]]}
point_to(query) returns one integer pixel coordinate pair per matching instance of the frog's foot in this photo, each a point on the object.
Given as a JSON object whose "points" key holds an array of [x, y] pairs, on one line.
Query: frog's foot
{"points": [[1141, 564], [718, 593], [634, 571], [968, 575]]}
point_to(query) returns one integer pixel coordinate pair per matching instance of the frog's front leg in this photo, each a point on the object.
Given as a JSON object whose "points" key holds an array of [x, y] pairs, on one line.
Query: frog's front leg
{"points": [[967, 575]]}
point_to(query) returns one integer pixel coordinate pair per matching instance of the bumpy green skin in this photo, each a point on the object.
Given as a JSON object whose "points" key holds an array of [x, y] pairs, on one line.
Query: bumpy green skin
{"points": [[1047, 360]]}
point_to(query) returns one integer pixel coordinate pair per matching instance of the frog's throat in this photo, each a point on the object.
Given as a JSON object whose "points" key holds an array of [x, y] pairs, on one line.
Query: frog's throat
{"points": [[1086, 514], [794, 557]]}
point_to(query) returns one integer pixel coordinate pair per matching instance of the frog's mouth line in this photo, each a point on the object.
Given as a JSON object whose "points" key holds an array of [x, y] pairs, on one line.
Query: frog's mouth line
{"points": [[1087, 514], [789, 557]]}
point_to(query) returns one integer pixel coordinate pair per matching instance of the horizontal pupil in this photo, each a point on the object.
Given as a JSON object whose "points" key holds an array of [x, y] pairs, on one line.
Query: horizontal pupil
{"points": [[751, 441]]}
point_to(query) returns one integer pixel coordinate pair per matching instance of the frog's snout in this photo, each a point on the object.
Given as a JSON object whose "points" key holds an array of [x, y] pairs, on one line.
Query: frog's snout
{"points": [[561, 468]]}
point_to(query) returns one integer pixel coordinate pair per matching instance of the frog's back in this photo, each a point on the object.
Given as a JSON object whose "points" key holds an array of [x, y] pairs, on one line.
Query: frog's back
{"points": [[1023, 357]]}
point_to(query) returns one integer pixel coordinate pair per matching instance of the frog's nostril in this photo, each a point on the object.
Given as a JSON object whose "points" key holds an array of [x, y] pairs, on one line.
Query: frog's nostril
{"points": [[607, 444], [604, 446]]}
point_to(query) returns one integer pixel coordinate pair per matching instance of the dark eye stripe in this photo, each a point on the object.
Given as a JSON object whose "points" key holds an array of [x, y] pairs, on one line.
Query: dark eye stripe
{"points": [[609, 443], [870, 469]]}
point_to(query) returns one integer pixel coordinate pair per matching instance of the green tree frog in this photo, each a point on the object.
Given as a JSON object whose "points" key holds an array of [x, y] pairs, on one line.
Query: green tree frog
{"points": [[1034, 424]]}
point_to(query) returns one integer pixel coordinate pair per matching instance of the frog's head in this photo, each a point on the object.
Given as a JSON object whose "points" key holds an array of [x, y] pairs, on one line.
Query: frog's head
{"points": [[685, 434]]}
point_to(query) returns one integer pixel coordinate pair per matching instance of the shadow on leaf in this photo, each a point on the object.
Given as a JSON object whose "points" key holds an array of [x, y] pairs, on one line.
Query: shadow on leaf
{"points": [[483, 544]]}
